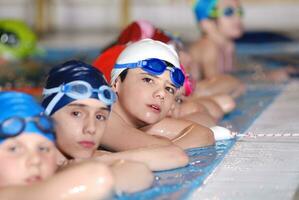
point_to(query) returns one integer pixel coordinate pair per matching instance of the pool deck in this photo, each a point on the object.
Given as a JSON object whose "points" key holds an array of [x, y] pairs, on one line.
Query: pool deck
{"points": [[263, 164]]}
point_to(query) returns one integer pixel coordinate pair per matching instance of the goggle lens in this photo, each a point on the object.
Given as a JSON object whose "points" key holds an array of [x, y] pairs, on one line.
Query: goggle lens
{"points": [[157, 67], [107, 94], [44, 124], [77, 91], [12, 126], [230, 11], [154, 66], [15, 125], [178, 76]]}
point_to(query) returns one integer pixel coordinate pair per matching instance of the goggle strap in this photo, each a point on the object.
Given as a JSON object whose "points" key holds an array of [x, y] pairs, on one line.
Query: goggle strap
{"points": [[47, 92], [170, 68], [53, 102], [127, 65]]}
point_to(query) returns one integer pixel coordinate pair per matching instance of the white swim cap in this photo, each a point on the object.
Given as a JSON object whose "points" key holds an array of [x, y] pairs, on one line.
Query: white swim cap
{"points": [[142, 50]]}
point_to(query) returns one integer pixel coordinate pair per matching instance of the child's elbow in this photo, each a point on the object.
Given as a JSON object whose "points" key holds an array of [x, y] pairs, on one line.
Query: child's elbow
{"points": [[132, 177], [210, 137], [180, 158]]}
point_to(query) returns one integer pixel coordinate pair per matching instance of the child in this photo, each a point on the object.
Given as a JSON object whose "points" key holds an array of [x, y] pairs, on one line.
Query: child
{"points": [[28, 157], [214, 57], [142, 106], [79, 99], [226, 16], [204, 110], [215, 105], [214, 52]]}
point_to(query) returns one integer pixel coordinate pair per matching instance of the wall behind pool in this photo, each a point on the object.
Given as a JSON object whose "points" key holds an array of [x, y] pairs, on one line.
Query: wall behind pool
{"points": [[173, 15]]}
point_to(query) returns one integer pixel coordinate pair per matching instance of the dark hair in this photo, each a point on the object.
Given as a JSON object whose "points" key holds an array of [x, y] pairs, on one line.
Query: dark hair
{"points": [[123, 75]]}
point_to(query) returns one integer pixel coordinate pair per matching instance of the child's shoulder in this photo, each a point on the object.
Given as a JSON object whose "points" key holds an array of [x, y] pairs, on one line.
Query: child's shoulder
{"points": [[204, 45]]}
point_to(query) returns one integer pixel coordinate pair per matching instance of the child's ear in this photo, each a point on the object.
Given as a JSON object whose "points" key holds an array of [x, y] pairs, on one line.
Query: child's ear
{"points": [[115, 86]]}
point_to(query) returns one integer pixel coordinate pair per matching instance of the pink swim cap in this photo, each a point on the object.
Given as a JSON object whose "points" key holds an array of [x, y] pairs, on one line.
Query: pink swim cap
{"points": [[187, 84]]}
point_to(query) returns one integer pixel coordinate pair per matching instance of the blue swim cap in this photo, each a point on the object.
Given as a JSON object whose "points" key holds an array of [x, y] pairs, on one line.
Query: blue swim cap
{"points": [[21, 113], [203, 8], [71, 72]]}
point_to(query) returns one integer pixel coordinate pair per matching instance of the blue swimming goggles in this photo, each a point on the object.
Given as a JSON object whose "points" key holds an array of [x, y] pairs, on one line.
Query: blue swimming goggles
{"points": [[227, 12], [79, 90], [14, 126], [156, 66]]}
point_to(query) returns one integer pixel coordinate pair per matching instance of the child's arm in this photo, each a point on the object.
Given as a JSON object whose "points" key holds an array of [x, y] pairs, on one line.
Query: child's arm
{"points": [[131, 176], [89, 180], [183, 133], [121, 137], [221, 84], [156, 158]]}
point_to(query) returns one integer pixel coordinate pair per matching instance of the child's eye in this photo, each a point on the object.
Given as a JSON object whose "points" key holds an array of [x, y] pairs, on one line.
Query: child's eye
{"points": [[14, 149], [76, 113], [179, 100], [101, 117], [44, 149], [148, 80], [170, 90]]}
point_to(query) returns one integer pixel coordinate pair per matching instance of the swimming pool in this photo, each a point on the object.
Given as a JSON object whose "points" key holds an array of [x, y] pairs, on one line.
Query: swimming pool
{"points": [[185, 182]]}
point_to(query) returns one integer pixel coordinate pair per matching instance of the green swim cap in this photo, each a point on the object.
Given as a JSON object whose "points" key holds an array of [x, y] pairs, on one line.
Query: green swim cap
{"points": [[17, 40]]}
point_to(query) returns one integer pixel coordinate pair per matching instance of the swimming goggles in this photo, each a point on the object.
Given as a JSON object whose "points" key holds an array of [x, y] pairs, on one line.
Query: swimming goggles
{"points": [[79, 90], [156, 66], [14, 126], [227, 12], [8, 38]]}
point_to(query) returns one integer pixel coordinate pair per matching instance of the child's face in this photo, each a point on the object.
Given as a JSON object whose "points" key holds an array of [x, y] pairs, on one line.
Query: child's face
{"points": [[229, 22], [79, 127], [146, 98], [26, 159], [176, 109]]}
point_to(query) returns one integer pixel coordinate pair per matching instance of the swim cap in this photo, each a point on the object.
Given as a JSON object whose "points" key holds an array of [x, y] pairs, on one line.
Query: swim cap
{"points": [[203, 8], [71, 72], [107, 59], [136, 31], [17, 40], [188, 86], [142, 29], [142, 50], [17, 105]]}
